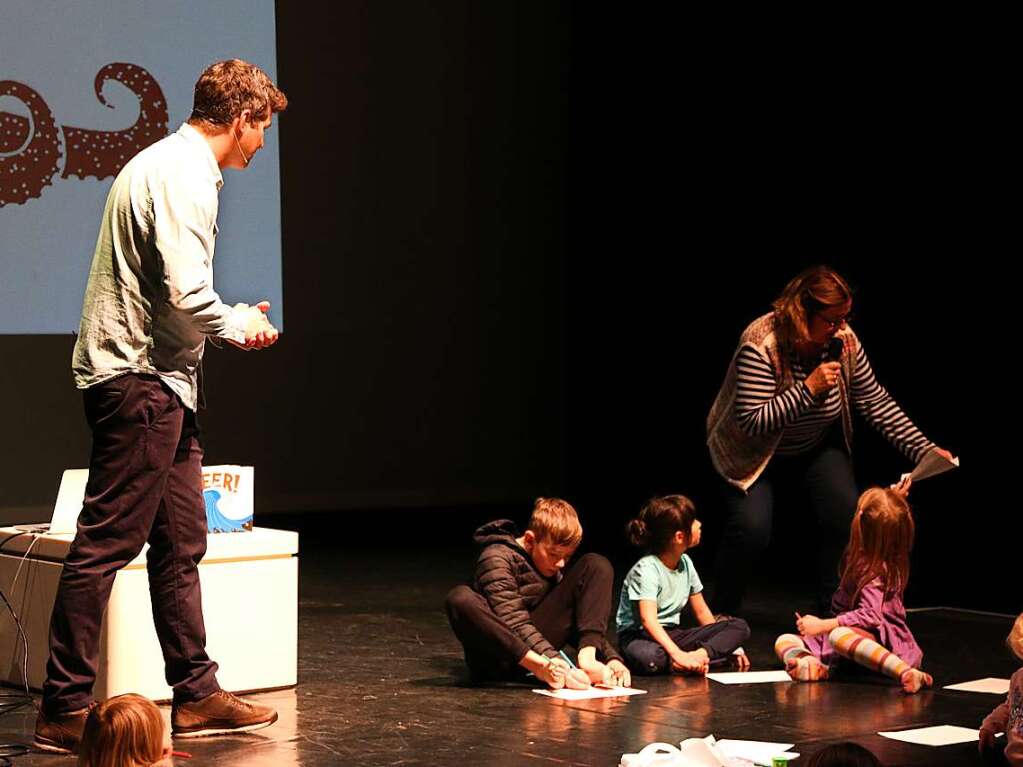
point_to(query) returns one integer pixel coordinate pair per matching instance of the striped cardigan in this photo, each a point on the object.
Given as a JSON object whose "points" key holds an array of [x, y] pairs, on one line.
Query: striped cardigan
{"points": [[761, 398]]}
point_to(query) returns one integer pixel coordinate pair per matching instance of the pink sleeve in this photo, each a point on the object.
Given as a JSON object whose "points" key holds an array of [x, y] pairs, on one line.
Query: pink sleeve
{"points": [[866, 613], [995, 721]]}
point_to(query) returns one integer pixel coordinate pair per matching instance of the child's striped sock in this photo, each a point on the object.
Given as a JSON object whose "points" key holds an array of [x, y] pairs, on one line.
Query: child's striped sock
{"points": [[874, 656], [867, 652], [800, 663], [789, 647]]}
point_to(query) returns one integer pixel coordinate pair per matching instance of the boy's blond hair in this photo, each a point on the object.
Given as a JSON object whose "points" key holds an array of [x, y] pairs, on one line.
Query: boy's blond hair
{"points": [[1015, 638], [555, 521]]}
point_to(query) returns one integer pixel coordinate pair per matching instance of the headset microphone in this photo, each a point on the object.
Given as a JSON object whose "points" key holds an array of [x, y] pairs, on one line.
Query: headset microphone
{"points": [[240, 150]]}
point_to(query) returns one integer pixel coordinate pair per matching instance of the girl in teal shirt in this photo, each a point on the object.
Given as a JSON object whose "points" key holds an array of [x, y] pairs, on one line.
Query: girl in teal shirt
{"points": [[659, 586]]}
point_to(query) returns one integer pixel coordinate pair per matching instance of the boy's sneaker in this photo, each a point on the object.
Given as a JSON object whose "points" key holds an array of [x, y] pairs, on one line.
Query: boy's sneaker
{"points": [[219, 714], [60, 733]]}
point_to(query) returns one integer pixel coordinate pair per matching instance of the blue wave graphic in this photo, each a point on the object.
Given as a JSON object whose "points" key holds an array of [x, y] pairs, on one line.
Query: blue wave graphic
{"points": [[217, 522]]}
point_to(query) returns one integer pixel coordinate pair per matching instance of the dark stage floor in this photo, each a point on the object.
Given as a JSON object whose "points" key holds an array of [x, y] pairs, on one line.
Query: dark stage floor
{"points": [[381, 683]]}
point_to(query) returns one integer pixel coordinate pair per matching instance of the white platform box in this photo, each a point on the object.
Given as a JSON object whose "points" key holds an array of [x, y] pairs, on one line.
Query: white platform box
{"points": [[250, 604]]}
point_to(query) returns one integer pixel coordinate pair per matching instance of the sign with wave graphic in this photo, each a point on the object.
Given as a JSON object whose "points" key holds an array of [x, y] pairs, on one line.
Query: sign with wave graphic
{"points": [[228, 493]]}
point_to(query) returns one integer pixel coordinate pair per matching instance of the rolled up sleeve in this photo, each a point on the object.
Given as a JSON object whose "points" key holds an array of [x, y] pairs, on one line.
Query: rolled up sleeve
{"points": [[184, 224]]}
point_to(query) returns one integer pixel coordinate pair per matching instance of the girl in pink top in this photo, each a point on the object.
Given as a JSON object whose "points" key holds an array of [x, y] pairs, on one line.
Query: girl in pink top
{"points": [[870, 624]]}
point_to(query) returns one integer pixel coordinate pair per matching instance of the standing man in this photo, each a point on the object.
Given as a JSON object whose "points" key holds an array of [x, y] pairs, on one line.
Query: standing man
{"points": [[149, 307]]}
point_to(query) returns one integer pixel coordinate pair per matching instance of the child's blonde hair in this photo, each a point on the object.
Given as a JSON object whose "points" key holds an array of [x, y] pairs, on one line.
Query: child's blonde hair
{"points": [[880, 539], [1015, 638], [125, 731], [555, 521]]}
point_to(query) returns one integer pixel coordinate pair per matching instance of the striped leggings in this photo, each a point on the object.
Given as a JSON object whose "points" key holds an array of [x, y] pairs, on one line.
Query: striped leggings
{"points": [[850, 644]]}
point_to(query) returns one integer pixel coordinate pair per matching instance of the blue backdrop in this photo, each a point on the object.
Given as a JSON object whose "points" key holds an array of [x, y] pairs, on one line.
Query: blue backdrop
{"points": [[53, 128]]}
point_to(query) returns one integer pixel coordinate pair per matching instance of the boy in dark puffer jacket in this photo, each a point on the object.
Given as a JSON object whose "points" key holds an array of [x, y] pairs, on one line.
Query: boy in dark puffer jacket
{"points": [[522, 609]]}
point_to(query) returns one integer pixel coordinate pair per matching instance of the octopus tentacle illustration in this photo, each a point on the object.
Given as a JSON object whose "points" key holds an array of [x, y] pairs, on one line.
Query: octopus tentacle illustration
{"points": [[101, 154], [29, 147]]}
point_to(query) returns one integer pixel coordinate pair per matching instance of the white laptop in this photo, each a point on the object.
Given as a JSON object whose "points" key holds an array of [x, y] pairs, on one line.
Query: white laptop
{"points": [[69, 501]]}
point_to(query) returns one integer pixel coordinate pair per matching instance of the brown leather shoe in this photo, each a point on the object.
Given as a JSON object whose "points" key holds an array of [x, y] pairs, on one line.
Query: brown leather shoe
{"points": [[61, 734], [219, 714]]}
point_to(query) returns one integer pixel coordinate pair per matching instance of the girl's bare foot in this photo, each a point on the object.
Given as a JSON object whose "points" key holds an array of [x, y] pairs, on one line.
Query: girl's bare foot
{"points": [[914, 680], [806, 668]]}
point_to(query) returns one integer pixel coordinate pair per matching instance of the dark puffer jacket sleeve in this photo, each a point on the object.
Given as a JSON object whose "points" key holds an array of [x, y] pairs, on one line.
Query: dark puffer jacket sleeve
{"points": [[497, 581]]}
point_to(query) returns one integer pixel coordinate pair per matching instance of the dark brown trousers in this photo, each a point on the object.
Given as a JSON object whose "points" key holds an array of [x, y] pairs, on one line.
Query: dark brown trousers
{"points": [[145, 485]]}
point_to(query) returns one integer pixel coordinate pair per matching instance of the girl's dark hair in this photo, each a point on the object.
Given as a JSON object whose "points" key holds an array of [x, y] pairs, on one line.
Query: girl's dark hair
{"points": [[846, 754], [656, 524]]}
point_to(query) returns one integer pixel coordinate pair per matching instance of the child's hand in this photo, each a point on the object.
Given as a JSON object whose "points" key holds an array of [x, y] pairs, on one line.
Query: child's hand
{"points": [[987, 740], [612, 674], [620, 676], [572, 678], [596, 671], [696, 662], [741, 661], [553, 674], [577, 679], [902, 486], [809, 625]]}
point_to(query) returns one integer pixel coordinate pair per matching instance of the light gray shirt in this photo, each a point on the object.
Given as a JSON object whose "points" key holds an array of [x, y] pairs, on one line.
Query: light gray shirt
{"points": [[149, 303]]}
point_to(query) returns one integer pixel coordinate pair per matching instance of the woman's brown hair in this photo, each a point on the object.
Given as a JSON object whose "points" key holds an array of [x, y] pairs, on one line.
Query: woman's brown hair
{"points": [[808, 293]]}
